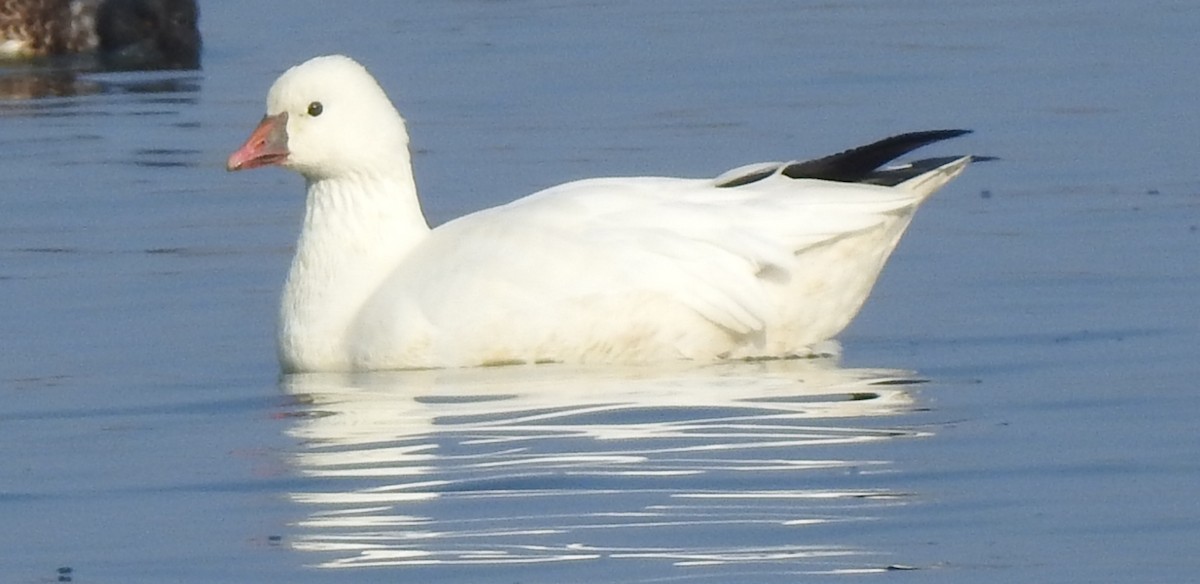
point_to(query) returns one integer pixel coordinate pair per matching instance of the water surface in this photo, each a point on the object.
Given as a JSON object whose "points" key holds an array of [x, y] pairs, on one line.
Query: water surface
{"points": [[1048, 298]]}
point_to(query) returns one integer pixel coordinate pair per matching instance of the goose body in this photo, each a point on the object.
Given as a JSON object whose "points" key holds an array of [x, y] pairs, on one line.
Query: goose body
{"points": [[761, 262]]}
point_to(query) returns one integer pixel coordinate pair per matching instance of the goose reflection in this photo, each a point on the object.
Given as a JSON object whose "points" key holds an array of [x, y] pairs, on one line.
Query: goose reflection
{"points": [[628, 465]]}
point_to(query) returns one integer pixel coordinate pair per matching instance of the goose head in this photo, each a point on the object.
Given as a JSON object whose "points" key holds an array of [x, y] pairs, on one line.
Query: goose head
{"points": [[327, 118]]}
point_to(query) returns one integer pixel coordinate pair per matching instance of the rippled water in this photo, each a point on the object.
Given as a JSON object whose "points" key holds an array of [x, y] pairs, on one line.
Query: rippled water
{"points": [[723, 467], [1049, 299]]}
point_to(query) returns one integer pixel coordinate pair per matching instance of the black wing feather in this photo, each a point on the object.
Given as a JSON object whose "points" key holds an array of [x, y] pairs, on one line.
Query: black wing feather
{"points": [[890, 177], [863, 164], [856, 164]]}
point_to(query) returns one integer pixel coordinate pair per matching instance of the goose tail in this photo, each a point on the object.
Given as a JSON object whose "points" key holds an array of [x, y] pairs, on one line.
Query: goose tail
{"points": [[932, 173]]}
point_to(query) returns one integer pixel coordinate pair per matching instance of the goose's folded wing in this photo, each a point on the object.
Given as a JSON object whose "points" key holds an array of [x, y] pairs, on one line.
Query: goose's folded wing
{"points": [[709, 248]]}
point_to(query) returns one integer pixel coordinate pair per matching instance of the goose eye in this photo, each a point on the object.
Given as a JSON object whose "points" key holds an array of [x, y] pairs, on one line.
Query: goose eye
{"points": [[315, 108]]}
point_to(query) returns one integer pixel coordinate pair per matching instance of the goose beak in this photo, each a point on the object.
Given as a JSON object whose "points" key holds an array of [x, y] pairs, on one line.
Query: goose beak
{"points": [[267, 145]]}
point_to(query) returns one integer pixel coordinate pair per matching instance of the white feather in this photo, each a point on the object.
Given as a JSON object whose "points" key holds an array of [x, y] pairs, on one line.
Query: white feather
{"points": [[600, 270]]}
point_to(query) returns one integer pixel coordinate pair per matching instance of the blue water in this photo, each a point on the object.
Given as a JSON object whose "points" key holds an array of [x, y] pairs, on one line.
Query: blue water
{"points": [[1016, 402]]}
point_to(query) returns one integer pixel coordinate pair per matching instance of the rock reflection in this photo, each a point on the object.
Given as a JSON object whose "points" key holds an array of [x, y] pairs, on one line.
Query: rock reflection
{"points": [[23, 83], [542, 464], [96, 120]]}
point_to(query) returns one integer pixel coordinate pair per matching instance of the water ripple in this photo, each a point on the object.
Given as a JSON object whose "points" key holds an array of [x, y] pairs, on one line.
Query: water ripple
{"points": [[690, 466]]}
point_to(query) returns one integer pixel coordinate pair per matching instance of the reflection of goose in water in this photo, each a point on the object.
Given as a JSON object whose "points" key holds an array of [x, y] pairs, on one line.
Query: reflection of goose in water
{"points": [[555, 463]]}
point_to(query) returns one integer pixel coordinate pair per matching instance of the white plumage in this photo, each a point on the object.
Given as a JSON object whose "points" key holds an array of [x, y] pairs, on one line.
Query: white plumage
{"points": [[763, 261]]}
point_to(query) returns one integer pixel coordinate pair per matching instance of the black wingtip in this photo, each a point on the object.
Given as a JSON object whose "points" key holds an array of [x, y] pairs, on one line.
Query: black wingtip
{"points": [[863, 164], [858, 164]]}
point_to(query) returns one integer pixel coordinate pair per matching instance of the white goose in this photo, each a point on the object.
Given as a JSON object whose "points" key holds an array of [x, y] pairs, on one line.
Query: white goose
{"points": [[761, 262]]}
